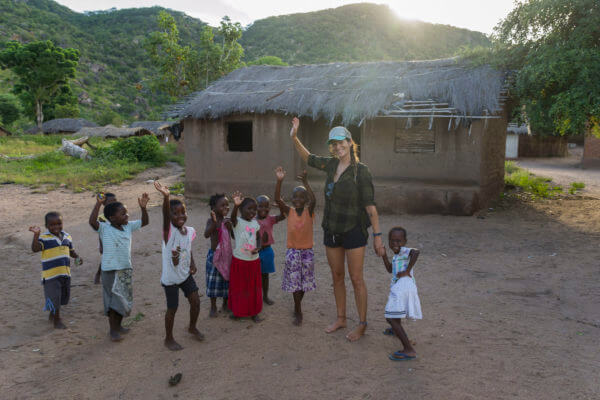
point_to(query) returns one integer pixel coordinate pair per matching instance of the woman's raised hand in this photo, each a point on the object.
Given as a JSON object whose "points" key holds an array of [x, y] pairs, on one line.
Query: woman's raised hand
{"points": [[295, 126], [279, 173], [237, 198]]}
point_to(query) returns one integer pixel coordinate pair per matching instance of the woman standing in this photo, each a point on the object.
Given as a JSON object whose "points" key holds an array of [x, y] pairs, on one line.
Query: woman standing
{"points": [[349, 211]]}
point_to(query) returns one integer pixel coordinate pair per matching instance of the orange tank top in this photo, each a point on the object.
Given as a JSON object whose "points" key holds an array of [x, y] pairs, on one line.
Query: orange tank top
{"points": [[300, 229]]}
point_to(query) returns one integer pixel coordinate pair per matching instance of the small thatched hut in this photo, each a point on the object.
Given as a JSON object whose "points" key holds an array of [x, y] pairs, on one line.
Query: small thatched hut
{"points": [[110, 131], [433, 133], [63, 125]]}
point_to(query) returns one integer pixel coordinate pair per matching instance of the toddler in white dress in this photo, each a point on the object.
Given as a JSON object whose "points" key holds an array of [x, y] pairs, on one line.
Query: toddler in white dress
{"points": [[403, 300]]}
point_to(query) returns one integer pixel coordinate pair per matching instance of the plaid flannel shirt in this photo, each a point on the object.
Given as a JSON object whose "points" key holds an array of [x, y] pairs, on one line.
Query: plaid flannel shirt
{"points": [[346, 199]]}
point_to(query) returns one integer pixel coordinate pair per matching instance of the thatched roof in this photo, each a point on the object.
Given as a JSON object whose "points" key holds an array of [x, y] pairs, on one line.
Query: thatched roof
{"points": [[59, 125], [351, 91], [159, 128], [110, 131]]}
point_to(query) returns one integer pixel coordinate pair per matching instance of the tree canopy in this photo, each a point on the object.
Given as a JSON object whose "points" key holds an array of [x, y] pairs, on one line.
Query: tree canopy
{"points": [[43, 71], [555, 47]]}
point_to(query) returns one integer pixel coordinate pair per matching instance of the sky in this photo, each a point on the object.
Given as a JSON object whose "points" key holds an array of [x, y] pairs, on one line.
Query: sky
{"points": [[477, 15]]}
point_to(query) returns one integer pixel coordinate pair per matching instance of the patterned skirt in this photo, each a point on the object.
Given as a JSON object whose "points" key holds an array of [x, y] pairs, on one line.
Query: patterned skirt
{"points": [[216, 285], [299, 272]]}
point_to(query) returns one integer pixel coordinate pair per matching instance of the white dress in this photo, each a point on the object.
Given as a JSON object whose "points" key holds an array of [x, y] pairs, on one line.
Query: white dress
{"points": [[403, 300]]}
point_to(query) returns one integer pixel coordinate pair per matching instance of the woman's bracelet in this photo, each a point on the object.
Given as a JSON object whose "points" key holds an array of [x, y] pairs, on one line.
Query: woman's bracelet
{"points": [[376, 234]]}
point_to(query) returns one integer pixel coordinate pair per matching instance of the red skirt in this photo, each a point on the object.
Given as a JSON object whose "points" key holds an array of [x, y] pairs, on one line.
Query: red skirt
{"points": [[245, 288]]}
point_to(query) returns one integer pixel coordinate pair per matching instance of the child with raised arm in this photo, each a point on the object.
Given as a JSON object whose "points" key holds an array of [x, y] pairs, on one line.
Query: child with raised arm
{"points": [[56, 246], [299, 272], [108, 198], [178, 266], [403, 300], [266, 254], [245, 286], [218, 259], [116, 275]]}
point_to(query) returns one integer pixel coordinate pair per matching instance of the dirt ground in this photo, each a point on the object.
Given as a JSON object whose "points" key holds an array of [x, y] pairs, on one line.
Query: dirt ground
{"points": [[511, 306]]}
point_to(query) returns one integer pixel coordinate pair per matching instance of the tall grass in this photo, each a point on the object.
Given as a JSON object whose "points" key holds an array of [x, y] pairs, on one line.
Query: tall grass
{"points": [[114, 161]]}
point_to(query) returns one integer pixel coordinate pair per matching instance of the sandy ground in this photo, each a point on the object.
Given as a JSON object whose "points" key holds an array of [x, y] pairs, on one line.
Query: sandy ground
{"points": [[511, 306]]}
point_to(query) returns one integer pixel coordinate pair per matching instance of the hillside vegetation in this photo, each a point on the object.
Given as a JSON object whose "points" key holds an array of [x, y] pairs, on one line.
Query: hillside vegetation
{"points": [[112, 81], [356, 32]]}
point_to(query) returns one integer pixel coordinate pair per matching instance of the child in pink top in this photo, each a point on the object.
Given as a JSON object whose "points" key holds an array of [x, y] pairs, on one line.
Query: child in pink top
{"points": [[266, 254]]}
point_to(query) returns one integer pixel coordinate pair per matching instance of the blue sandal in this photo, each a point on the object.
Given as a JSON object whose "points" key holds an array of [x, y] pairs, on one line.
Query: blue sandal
{"points": [[388, 332], [399, 356]]}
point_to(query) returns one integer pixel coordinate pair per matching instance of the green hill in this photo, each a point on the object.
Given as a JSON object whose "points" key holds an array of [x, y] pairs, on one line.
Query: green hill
{"points": [[113, 70], [356, 32]]}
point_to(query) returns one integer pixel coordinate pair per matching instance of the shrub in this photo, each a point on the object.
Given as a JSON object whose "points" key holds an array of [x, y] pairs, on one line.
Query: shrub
{"points": [[136, 148], [536, 185]]}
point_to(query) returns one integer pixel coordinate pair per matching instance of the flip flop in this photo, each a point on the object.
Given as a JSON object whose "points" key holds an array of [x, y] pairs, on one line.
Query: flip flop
{"points": [[398, 356], [388, 332]]}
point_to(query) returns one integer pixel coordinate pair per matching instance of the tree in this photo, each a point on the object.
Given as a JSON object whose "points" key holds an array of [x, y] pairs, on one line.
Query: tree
{"points": [[43, 71], [174, 61], [183, 69], [9, 109], [555, 47]]}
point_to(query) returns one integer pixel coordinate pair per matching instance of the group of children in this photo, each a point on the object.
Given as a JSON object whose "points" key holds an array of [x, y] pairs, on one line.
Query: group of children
{"points": [[238, 273]]}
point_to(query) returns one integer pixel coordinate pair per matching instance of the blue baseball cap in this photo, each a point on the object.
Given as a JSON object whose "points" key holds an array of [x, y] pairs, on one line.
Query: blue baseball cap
{"points": [[338, 133]]}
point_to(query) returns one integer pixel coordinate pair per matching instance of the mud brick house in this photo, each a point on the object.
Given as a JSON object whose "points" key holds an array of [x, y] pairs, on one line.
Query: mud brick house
{"points": [[433, 133]]}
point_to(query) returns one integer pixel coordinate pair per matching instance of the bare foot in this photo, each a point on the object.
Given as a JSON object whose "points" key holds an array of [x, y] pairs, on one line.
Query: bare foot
{"points": [[268, 301], [256, 319], [224, 308], [213, 313], [58, 324], [297, 319], [339, 323], [123, 330], [357, 333], [115, 336], [197, 335], [172, 345]]}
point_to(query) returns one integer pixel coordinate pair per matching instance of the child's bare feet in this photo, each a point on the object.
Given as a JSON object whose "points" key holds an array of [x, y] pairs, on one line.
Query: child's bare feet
{"points": [[172, 345], [213, 312], [58, 324], [297, 319], [115, 336], [268, 301], [196, 333], [224, 308], [357, 332], [256, 319], [339, 323]]}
